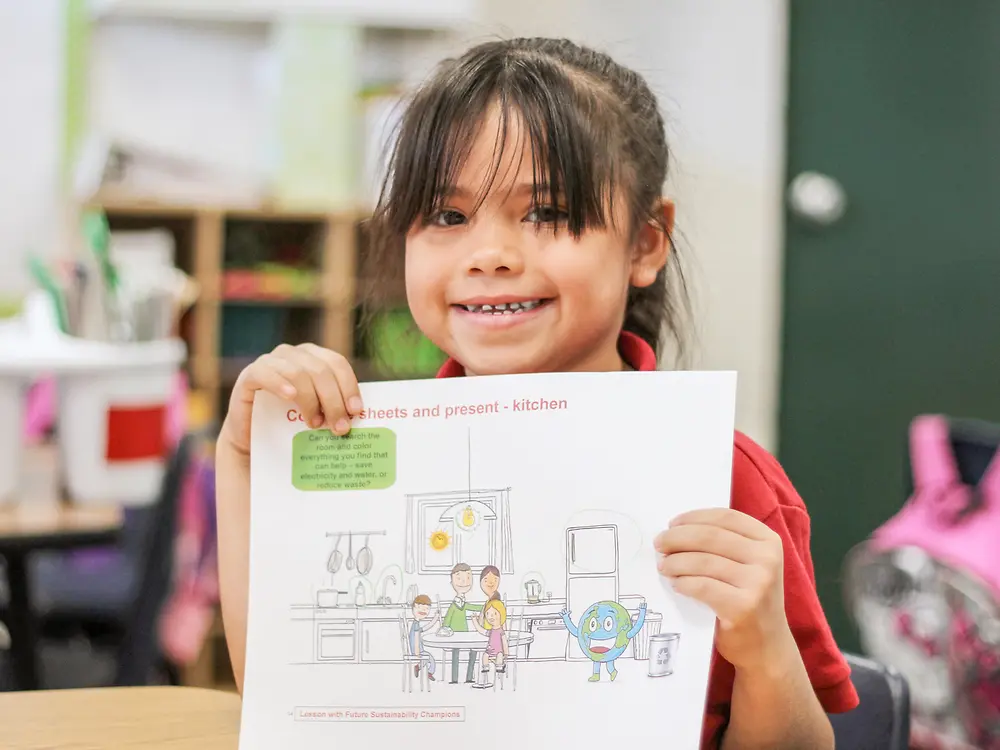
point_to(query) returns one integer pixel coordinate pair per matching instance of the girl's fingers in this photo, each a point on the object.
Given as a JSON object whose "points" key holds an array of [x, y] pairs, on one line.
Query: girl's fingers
{"points": [[320, 382], [325, 387], [723, 598], [285, 361], [726, 518], [704, 538], [350, 391], [704, 565], [262, 376]]}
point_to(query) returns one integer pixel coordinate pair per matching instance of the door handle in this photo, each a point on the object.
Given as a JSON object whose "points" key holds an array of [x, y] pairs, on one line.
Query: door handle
{"points": [[817, 198], [572, 547], [367, 641]]}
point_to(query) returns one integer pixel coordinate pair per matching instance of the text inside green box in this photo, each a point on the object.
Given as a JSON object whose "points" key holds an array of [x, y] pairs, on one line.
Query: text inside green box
{"points": [[363, 459]]}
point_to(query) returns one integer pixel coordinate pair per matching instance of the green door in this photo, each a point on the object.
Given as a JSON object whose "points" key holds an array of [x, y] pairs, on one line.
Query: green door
{"points": [[893, 309]]}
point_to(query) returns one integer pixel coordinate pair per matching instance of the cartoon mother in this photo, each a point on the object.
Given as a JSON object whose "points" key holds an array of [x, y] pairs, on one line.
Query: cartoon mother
{"points": [[604, 633]]}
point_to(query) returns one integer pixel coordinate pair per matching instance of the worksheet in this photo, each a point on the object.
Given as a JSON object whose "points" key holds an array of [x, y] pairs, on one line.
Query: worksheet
{"points": [[473, 565]]}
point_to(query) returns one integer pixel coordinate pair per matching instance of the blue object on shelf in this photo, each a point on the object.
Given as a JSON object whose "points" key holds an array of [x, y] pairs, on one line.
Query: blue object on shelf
{"points": [[251, 330]]}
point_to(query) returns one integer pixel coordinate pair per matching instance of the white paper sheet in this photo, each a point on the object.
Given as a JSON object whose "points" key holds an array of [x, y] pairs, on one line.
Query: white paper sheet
{"points": [[557, 481]]}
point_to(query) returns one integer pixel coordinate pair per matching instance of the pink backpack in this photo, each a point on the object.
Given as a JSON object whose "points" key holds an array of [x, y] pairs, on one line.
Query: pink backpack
{"points": [[924, 591]]}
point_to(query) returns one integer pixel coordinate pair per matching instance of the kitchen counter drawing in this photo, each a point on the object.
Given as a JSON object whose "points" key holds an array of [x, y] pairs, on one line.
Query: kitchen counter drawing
{"points": [[445, 567], [589, 621]]}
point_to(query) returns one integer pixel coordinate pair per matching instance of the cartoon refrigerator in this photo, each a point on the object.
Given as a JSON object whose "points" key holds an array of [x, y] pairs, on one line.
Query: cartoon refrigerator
{"points": [[591, 573]]}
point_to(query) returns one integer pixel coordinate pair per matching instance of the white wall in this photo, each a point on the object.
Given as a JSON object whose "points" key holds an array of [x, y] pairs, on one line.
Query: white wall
{"points": [[718, 67], [30, 133]]}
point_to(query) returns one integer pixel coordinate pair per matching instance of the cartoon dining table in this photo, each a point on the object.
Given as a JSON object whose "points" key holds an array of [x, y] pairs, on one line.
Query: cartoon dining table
{"points": [[472, 640]]}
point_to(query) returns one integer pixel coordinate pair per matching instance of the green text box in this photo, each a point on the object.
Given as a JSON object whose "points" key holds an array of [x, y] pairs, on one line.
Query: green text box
{"points": [[363, 459]]}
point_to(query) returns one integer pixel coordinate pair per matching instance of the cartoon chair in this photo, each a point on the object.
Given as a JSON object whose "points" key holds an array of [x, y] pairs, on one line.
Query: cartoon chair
{"points": [[411, 661]]}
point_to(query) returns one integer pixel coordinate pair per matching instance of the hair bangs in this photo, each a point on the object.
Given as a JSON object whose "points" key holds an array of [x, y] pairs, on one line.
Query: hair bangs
{"points": [[543, 113]]}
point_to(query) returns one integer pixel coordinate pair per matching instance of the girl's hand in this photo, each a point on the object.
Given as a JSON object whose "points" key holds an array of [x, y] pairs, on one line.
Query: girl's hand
{"points": [[734, 564], [321, 383]]}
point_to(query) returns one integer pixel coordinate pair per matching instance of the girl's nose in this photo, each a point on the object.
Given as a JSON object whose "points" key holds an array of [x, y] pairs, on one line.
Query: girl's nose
{"points": [[496, 257]]}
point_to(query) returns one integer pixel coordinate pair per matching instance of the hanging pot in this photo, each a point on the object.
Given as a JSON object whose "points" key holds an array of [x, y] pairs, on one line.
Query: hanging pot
{"points": [[364, 560]]}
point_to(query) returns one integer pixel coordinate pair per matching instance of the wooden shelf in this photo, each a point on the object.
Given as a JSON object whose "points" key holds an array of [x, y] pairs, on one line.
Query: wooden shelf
{"points": [[130, 206], [444, 15], [274, 301], [204, 230]]}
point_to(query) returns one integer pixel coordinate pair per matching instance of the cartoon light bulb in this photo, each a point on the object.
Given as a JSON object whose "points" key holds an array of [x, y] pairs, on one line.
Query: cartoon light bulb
{"points": [[468, 517]]}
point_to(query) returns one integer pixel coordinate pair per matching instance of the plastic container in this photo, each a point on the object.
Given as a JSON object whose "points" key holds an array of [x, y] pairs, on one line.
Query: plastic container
{"points": [[113, 407], [21, 353], [112, 423], [13, 393]]}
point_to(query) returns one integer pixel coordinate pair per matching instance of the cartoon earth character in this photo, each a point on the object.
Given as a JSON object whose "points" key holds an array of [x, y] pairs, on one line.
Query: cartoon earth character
{"points": [[604, 633]]}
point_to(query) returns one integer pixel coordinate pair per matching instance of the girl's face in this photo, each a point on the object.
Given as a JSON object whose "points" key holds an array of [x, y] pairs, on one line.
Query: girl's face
{"points": [[493, 617], [466, 272]]}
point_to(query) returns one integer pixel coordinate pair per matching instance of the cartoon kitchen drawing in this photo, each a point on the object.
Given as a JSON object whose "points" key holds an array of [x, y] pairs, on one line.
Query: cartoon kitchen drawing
{"points": [[453, 605]]}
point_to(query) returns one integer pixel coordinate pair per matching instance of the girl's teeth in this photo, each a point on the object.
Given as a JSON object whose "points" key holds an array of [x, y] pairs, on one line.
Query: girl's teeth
{"points": [[504, 308]]}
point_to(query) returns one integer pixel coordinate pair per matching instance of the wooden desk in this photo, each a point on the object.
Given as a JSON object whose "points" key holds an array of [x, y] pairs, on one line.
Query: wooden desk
{"points": [[128, 718], [25, 529], [57, 526]]}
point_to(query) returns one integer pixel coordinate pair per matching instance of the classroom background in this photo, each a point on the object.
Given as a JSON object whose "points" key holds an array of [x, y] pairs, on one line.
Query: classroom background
{"points": [[183, 186]]}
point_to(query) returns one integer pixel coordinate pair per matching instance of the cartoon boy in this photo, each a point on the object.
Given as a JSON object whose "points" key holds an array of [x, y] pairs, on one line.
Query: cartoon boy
{"points": [[489, 582], [420, 624], [456, 618]]}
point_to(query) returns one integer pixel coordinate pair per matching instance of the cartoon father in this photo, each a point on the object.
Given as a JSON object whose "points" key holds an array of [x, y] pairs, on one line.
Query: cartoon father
{"points": [[456, 618]]}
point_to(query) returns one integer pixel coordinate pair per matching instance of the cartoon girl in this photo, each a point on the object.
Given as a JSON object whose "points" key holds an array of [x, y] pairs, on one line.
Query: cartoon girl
{"points": [[491, 624]]}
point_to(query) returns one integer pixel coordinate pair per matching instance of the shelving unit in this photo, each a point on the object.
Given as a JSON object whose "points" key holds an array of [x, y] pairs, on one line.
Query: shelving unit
{"points": [[238, 69], [327, 316], [220, 345]]}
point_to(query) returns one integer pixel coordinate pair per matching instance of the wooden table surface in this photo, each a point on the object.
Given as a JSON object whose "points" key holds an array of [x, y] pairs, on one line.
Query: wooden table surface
{"points": [[27, 520], [171, 718]]}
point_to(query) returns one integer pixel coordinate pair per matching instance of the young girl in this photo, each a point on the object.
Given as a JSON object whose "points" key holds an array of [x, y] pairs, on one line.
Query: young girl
{"points": [[491, 623], [523, 197]]}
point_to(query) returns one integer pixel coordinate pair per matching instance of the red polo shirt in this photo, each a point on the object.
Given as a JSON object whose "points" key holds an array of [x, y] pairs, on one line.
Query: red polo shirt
{"points": [[761, 489]]}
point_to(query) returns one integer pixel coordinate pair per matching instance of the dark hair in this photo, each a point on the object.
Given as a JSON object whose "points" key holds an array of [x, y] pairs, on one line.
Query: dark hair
{"points": [[460, 568], [487, 570], [594, 126]]}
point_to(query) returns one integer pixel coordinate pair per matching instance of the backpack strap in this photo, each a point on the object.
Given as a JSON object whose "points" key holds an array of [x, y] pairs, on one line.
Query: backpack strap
{"points": [[932, 460]]}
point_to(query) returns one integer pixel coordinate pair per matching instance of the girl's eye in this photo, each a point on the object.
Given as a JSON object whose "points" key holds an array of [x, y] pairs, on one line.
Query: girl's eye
{"points": [[448, 218], [546, 215]]}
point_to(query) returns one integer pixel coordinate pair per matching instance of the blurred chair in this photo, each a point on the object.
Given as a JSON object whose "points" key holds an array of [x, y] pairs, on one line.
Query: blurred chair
{"points": [[114, 598], [139, 654], [882, 720]]}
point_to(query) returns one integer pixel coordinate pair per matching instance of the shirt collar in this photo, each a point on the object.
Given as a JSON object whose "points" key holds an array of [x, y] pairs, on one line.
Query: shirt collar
{"points": [[634, 350]]}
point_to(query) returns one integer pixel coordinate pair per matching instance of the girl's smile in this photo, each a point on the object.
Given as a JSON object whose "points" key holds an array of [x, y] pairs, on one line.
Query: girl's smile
{"points": [[501, 312]]}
